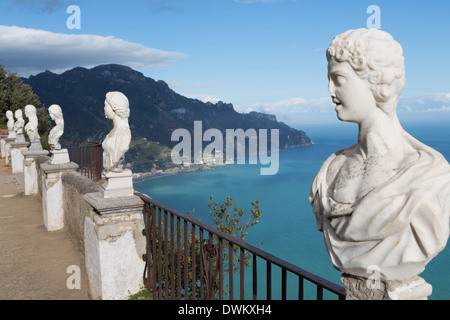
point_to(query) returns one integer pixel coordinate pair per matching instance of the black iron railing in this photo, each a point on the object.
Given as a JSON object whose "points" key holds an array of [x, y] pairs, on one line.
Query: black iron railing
{"points": [[88, 156], [187, 259]]}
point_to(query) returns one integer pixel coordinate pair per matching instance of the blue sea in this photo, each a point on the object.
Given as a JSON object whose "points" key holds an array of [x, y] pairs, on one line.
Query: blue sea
{"points": [[287, 227]]}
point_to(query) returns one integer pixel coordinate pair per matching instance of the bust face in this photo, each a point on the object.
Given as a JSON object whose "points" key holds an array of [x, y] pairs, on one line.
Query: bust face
{"points": [[109, 112], [353, 97], [18, 114]]}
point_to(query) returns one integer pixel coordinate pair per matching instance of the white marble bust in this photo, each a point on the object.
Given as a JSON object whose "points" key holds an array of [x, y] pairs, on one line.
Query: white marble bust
{"points": [[10, 124], [117, 142], [56, 115], [31, 128], [18, 126], [384, 201]]}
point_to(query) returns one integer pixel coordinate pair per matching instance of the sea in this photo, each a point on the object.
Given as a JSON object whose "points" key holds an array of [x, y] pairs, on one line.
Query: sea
{"points": [[287, 227]]}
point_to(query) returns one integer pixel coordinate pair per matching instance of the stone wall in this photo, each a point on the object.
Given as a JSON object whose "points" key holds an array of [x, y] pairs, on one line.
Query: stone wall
{"points": [[75, 186], [39, 161], [107, 231]]}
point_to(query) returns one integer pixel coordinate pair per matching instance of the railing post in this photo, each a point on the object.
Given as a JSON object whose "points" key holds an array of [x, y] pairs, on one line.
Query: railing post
{"points": [[17, 157], [52, 193], [7, 150], [30, 173], [114, 246]]}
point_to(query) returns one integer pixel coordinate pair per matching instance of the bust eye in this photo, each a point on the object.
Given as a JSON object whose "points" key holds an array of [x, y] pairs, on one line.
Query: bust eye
{"points": [[340, 80]]}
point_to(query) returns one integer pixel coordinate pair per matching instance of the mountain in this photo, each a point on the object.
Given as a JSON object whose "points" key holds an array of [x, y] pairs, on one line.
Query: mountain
{"points": [[156, 110]]}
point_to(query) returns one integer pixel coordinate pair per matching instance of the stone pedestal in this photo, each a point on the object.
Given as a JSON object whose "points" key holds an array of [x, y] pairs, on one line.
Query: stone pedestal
{"points": [[114, 246], [2, 145], [8, 142], [30, 172], [20, 138], [52, 193], [17, 157], [118, 184], [35, 146], [358, 288], [59, 156]]}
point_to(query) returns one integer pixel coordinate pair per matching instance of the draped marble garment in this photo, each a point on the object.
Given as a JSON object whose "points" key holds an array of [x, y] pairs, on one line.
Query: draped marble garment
{"points": [[398, 226]]}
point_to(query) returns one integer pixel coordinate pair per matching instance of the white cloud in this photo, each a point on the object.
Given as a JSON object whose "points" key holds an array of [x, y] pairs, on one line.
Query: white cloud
{"points": [[299, 110], [211, 99], [426, 103], [443, 97], [294, 110], [28, 51], [443, 108], [290, 106]]}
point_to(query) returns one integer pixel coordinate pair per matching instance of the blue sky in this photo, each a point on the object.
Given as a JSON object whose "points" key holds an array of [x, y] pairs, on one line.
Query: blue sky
{"points": [[263, 55]]}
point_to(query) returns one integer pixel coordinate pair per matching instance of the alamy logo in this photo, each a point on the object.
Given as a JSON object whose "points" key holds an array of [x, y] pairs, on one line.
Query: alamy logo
{"points": [[374, 21], [373, 282], [74, 280], [74, 21], [190, 151]]}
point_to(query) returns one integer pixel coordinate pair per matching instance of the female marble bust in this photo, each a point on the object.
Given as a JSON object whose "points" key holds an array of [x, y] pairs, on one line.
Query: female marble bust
{"points": [[58, 130], [384, 201], [117, 142], [18, 126], [10, 124], [31, 127]]}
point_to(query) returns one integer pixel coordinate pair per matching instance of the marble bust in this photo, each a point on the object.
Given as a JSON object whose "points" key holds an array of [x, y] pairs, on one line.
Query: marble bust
{"points": [[117, 142], [31, 128], [10, 124], [56, 115], [18, 126], [58, 155], [384, 201]]}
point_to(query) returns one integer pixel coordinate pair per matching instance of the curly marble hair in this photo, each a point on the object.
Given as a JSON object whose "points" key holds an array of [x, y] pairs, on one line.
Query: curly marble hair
{"points": [[376, 57]]}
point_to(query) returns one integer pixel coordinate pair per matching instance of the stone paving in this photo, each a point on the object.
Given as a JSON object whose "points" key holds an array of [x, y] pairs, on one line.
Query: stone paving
{"points": [[33, 262]]}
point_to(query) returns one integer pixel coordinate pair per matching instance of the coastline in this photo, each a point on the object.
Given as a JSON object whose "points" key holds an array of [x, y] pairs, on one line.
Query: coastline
{"points": [[172, 171], [193, 167]]}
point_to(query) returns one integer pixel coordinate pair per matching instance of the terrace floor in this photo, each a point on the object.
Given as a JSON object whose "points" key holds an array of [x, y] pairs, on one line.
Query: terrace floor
{"points": [[33, 261]]}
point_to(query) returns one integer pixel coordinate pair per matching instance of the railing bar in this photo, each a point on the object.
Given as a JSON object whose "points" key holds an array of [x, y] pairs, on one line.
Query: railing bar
{"points": [[179, 258], [202, 279], [269, 279], [194, 269], [154, 267], [211, 279], [319, 293], [160, 258], [186, 267], [220, 262], [148, 237], [255, 278], [166, 258], [91, 167], [300, 288], [283, 284], [242, 273], [230, 270], [332, 287], [172, 258]]}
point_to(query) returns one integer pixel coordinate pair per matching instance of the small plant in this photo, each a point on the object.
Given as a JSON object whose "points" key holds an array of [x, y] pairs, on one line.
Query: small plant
{"points": [[142, 294], [173, 254], [231, 220]]}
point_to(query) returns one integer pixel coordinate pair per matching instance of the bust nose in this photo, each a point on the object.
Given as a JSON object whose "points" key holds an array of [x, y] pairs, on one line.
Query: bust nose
{"points": [[332, 89]]}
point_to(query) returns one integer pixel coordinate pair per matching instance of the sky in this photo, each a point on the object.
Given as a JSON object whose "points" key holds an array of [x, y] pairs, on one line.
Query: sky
{"points": [[259, 55]]}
